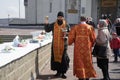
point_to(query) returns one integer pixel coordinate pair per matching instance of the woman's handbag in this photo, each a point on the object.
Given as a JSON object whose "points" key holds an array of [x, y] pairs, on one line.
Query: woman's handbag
{"points": [[99, 51]]}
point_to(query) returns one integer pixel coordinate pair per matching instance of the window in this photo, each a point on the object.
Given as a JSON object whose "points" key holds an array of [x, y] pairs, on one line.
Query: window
{"points": [[26, 2], [50, 7]]}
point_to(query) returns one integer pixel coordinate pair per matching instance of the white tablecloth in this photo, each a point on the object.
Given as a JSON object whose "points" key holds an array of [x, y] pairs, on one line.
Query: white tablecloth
{"points": [[7, 57]]}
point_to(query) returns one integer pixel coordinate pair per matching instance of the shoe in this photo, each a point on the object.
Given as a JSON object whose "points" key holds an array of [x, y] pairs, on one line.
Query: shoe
{"points": [[105, 79], [57, 75], [63, 76]]}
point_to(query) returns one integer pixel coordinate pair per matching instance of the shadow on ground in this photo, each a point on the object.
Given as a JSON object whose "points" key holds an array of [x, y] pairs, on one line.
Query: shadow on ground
{"points": [[46, 77], [115, 71]]}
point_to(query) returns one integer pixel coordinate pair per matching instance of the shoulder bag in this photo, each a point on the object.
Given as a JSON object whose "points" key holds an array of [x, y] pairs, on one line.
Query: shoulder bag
{"points": [[99, 51]]}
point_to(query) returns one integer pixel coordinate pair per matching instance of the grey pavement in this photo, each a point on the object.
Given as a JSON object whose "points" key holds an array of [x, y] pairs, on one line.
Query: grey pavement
{"points": [[114, 70]]}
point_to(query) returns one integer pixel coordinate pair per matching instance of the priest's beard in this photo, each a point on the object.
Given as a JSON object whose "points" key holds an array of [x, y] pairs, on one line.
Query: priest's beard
{"points": [[60, 22]]}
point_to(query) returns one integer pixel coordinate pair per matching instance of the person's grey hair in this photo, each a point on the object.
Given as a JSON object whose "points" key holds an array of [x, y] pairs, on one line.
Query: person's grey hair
{"points": [[90, 18], [103, 22], [118, 20]]}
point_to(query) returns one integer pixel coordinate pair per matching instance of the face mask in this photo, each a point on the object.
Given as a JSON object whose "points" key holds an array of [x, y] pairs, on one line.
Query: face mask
{"points": [[60, 22]]}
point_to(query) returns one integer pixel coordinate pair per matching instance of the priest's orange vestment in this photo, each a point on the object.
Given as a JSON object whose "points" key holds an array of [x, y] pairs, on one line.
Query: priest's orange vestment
{"points": [[83, 36], [58, 41]]}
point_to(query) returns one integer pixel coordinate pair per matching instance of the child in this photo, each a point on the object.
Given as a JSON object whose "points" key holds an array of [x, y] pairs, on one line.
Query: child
{"points": [[115, 45]]}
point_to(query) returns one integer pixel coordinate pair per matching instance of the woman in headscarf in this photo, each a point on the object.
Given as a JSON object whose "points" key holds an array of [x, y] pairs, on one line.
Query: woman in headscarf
{"points": [[103, 39]]}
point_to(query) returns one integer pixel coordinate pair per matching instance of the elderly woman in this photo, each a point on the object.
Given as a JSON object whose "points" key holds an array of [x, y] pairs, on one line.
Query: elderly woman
{"points": [[102, 39]]}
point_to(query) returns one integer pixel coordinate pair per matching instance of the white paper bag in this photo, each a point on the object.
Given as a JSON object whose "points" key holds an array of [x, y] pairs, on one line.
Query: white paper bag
{"points": [[16, 41]]}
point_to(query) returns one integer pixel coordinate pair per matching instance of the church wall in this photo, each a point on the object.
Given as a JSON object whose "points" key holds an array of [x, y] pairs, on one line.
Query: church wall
{"points": [[30, 12], [94, 10], [88, 7], [36, 10], [73, 11], [58, 5]]}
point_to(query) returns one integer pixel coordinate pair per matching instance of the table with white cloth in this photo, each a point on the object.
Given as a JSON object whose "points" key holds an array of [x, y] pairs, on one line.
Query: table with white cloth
{"points": [[23, 63]]}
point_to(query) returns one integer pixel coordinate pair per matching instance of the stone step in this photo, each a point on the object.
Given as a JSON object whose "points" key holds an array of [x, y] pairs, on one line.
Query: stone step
{"points": [[9, 38]]}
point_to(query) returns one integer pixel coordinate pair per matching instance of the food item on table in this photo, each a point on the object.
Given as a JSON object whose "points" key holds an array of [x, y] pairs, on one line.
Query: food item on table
{"points": [[8, 48], [22, 43]]}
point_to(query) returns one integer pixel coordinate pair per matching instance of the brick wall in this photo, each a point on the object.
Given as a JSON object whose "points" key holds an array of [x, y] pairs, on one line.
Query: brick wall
{"points": [[28, 66]]}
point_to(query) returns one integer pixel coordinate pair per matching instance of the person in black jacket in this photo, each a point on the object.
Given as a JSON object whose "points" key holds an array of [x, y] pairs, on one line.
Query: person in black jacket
{"points": [[90, 22], [116, 27]]}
